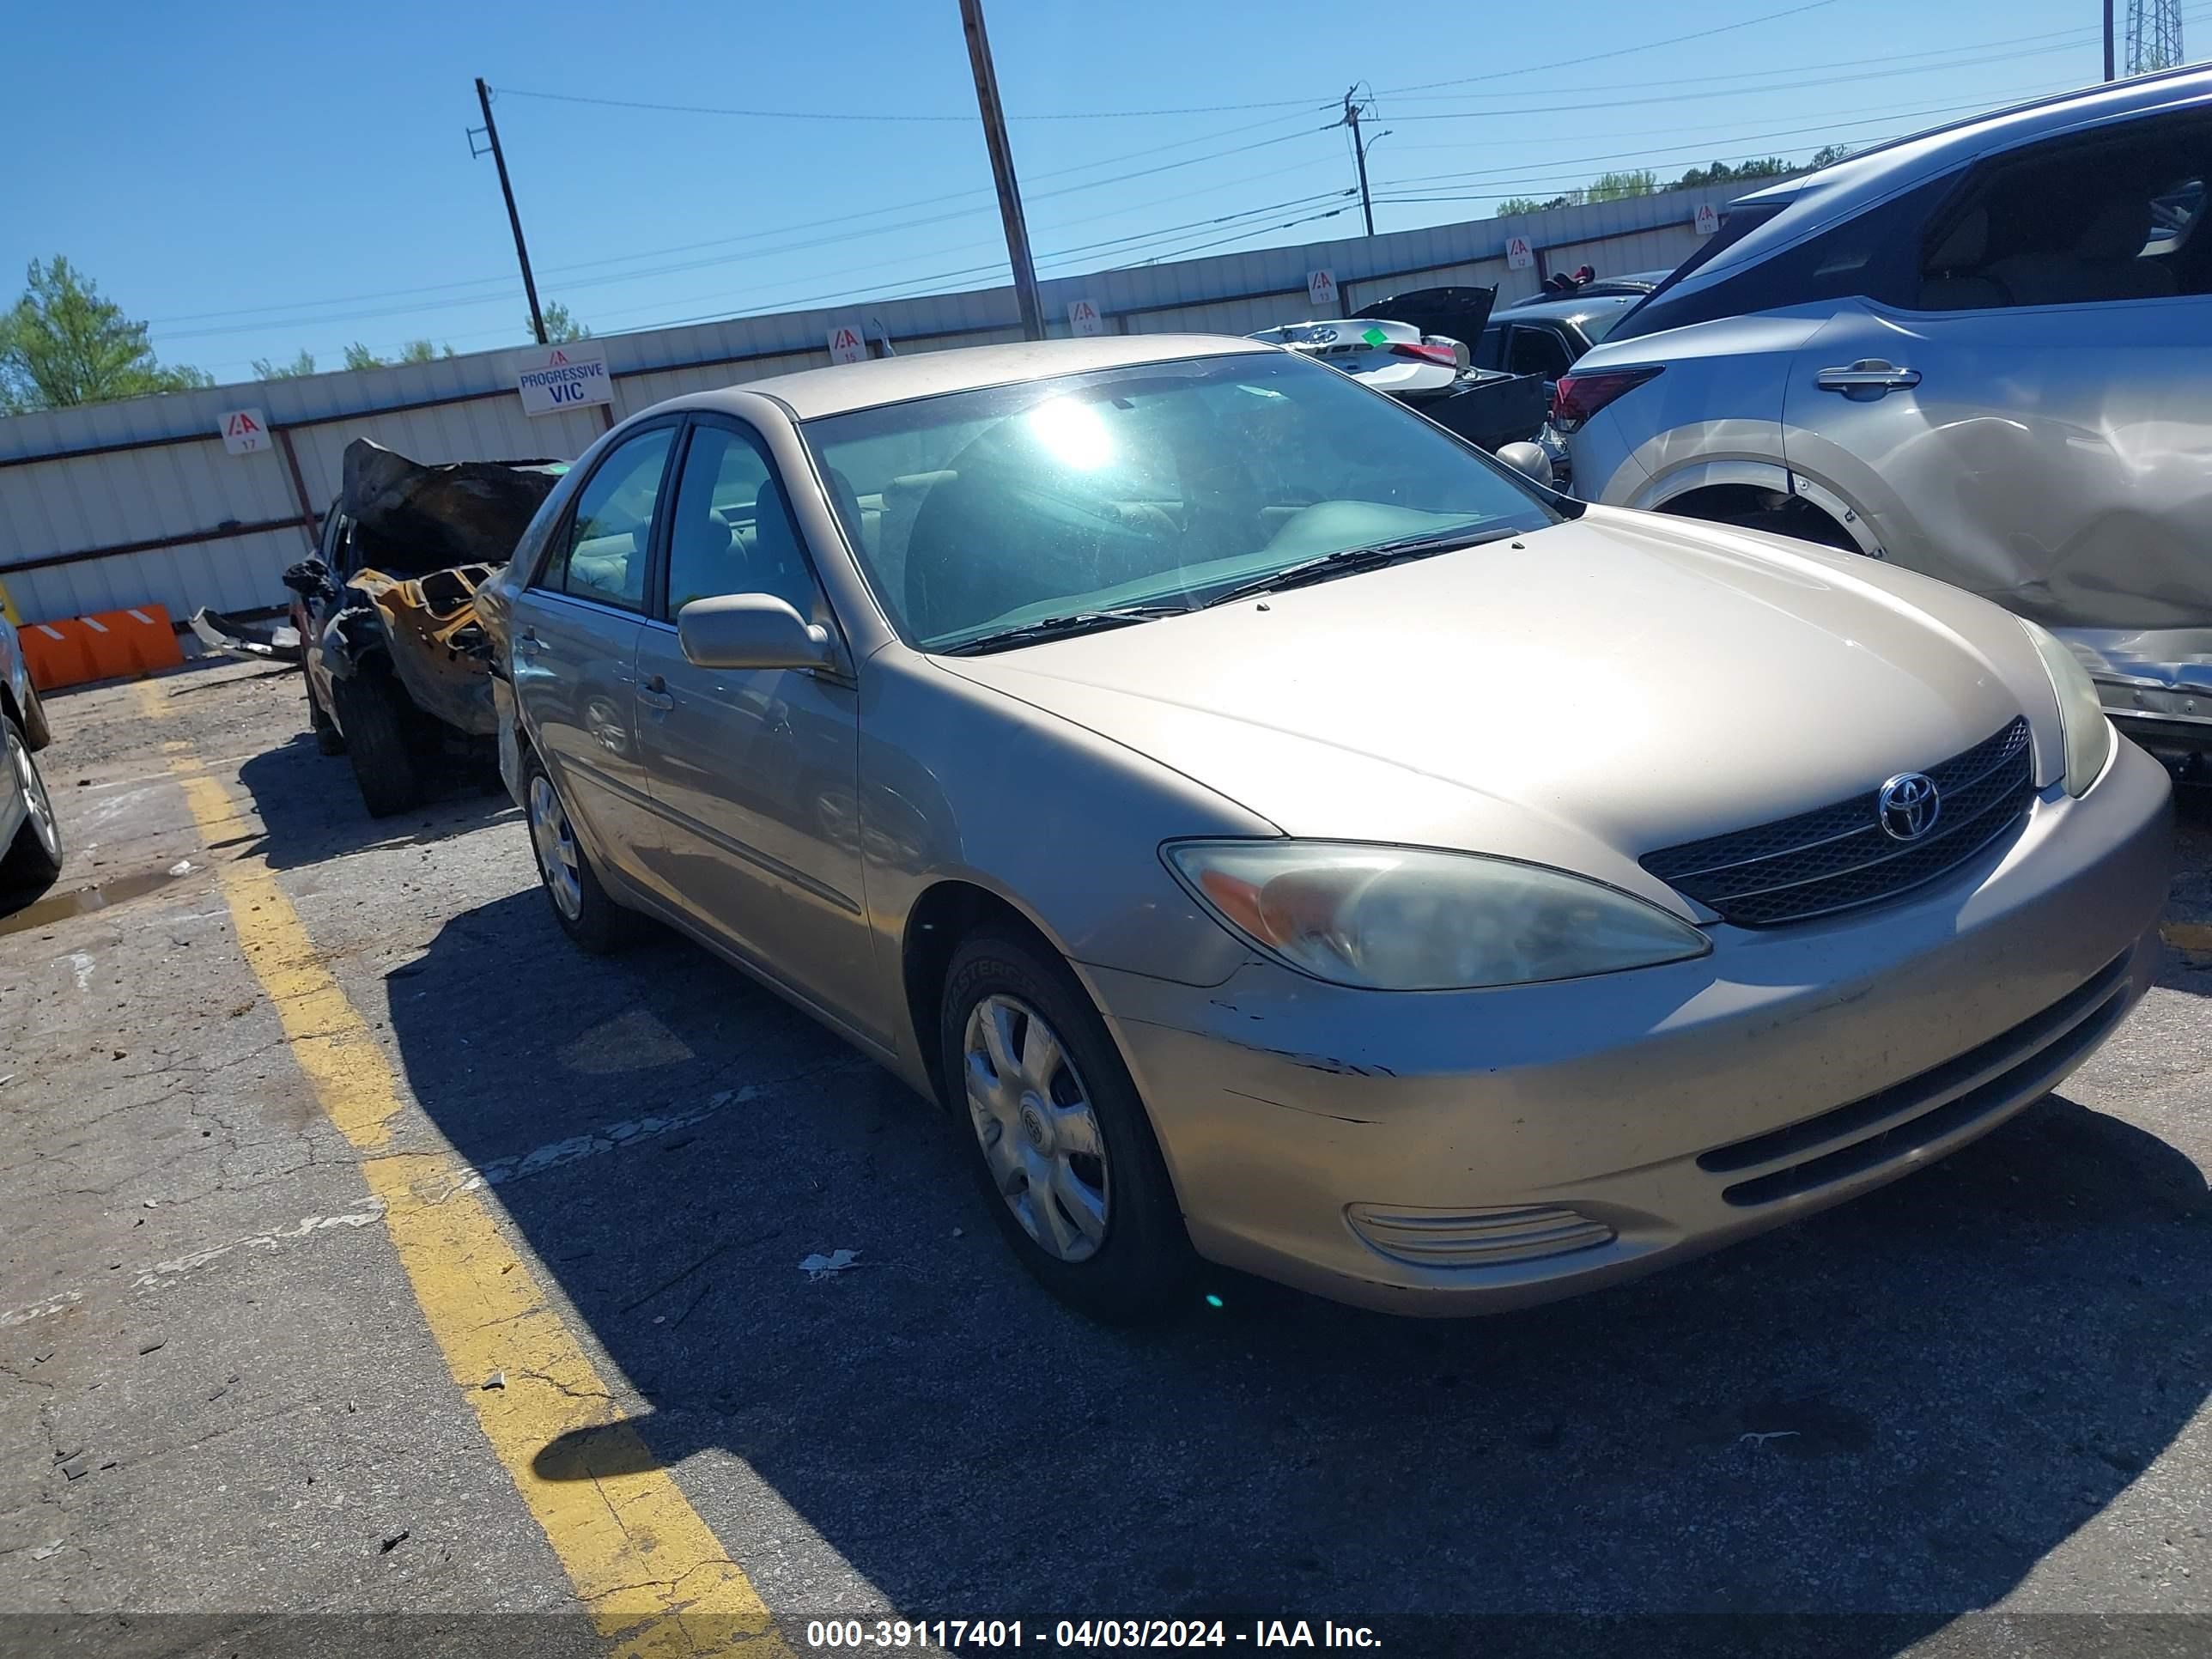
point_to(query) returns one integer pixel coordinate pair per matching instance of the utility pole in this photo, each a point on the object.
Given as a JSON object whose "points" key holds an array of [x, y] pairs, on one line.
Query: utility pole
{"points": [[2108, 39], [490, 131], [1002, 170], [1359, 153]]}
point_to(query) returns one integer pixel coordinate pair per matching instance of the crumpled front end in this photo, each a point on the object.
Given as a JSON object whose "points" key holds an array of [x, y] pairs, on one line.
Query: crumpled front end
{"points": [[2156, 684], [429, 628]]}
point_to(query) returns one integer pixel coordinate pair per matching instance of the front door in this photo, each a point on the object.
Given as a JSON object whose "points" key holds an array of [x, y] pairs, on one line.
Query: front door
{"points": [[753, 772], [574, 649]]}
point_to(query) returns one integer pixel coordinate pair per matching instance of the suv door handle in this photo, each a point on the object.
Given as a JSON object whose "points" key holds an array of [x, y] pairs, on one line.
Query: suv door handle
{"points": [[654, 694], [1867, 379]]}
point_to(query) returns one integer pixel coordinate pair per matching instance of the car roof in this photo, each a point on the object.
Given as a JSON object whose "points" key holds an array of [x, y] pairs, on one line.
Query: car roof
{"points": [[1567, 309], [811, 393], [1813, 202]]}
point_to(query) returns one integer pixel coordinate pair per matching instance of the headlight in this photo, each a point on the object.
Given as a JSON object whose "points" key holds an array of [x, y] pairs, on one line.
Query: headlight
{"points": [[2087, 734], [1404, 919]]}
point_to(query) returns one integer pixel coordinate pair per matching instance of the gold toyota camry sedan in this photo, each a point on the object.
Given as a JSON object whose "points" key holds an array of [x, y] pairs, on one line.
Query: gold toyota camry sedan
{"points": [[1281, 835]]}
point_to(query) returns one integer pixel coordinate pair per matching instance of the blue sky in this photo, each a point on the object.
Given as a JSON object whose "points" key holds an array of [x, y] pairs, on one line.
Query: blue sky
{"points": [[257, 179]]}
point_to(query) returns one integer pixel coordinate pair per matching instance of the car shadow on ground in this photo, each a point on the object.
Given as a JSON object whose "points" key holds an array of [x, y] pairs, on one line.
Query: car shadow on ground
{"points": [[311, 808], [1897, 1407]]}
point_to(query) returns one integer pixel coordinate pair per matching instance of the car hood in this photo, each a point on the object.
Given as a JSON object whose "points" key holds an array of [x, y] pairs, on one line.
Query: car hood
{"points": [[1579, 695]]}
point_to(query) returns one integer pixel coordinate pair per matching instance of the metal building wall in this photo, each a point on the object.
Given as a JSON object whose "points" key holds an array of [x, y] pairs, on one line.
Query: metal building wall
{"points": [[126, 504]]}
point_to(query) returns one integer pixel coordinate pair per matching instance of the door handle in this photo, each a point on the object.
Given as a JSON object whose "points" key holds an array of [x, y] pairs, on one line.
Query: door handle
{"points": [[1867, 379], [654, 694]]}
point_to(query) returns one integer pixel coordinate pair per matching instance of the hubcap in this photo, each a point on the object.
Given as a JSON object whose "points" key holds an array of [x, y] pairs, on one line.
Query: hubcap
{"points": [[1033, 1117], [35, 798], [558, 860]]}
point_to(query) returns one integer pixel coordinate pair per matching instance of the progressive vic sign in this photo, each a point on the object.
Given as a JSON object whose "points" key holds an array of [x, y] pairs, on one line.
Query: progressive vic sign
{"points": [[554, 378]]}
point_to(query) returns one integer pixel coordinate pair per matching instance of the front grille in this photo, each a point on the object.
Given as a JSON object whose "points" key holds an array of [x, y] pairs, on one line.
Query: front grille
{"points": [[2014, 1066], [1839, 857]]}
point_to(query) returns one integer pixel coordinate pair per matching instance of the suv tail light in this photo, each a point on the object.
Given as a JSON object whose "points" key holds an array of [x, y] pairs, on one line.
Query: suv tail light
{"points": [[1578, 397], [1428, 353]]}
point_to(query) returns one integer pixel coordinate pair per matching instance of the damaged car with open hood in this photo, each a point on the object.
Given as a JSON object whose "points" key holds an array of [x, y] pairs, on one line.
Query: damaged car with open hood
{"points": [[383, 617]]}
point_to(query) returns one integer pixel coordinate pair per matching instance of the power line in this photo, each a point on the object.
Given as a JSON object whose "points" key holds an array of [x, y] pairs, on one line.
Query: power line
{"points": [[878, 115], [1661, 98], [752, 252], [724, 242], [1581, 58]]}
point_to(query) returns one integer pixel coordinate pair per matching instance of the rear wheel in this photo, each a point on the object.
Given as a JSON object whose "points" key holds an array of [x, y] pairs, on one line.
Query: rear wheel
{"points": [[34, 858], [1063, 1150], [379, 725], [572, 887]]}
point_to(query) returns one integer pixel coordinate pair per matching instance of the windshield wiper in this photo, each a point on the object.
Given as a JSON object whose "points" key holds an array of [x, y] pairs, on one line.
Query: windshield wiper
{"points": [[1062, 627], [1350, 560]]}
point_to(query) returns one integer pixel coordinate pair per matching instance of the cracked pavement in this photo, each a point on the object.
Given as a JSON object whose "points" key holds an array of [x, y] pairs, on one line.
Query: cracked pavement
{"points": [[1983, 1388]]}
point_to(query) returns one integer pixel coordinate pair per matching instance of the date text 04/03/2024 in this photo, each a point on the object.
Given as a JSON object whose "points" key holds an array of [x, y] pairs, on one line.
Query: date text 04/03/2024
{"points": [[1084, 1634]]}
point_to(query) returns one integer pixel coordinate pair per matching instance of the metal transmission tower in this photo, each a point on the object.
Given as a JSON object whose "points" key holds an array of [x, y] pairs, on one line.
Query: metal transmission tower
{"points": [[2154, 35]]}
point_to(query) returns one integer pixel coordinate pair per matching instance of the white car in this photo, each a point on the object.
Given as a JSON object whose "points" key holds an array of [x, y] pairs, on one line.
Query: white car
{"points": [[1983, 353]]}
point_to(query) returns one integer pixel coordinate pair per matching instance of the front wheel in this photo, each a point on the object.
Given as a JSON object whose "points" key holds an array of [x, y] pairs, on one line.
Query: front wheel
{"points": [[1063, 1150], [34, 858]]}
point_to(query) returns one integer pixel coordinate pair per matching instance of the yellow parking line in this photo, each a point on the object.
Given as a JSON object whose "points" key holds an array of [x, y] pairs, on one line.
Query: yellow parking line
{"points": [[656, 1578]]}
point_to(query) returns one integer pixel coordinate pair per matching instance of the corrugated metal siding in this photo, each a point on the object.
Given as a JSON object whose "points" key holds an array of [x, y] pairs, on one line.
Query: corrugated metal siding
{"points": [[173, 479], [235, 574]]}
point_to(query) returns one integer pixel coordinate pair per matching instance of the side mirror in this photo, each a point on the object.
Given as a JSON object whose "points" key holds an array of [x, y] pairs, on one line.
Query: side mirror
{"points": [[750, 630], [1525, 458]]}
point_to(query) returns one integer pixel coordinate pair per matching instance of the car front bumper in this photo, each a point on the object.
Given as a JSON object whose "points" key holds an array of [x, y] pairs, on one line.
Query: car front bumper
{"points": [[1460, 1153]]}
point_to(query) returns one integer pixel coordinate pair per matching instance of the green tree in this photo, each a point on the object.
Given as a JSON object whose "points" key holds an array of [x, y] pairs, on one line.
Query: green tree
{"points": [[302, 364], [562, 326], [358, 356], [1615, 187], [1828, 154], [62, 345]]}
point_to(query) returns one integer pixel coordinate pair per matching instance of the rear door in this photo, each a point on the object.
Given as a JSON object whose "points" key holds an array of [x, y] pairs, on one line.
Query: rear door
{"points": [[754, 772], [575, 647], [2025, 416]]}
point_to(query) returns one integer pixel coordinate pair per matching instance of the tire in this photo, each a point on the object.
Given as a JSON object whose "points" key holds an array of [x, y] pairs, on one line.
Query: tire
{"points": [[1027, 1138], [34, 858], [378, 723], [329, 740], [579, 901], [36, 730]]}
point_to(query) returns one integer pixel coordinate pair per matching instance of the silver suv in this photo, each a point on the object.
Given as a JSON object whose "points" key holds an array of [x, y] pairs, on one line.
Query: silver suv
{"points": [[1985, 353]]}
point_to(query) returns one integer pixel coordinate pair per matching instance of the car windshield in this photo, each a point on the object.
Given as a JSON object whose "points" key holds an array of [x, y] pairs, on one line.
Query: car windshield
{"points": [[1596, 324], [1152, 487]]}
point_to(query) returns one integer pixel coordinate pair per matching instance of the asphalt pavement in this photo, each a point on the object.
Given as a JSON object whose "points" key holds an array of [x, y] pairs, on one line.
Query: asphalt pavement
{"points": [[239, 1400]]}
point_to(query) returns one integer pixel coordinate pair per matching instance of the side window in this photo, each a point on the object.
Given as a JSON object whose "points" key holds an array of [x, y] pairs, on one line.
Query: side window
{"points": [[609, 538], [732, 530], [1537, 351], [1490, 350], [2085, 220]]}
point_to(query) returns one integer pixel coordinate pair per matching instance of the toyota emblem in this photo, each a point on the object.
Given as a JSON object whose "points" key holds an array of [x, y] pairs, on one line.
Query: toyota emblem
{"points": [[1907, 807]]}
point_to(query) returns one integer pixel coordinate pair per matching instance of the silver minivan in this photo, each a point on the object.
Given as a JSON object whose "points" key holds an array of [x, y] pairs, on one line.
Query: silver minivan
{"points": [[1983, 353]]}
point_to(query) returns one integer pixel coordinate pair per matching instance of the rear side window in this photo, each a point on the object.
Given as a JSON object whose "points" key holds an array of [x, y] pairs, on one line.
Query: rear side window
{"points": [[2089, 219], [1871, 256], [1537, 351], [605, 556]]}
